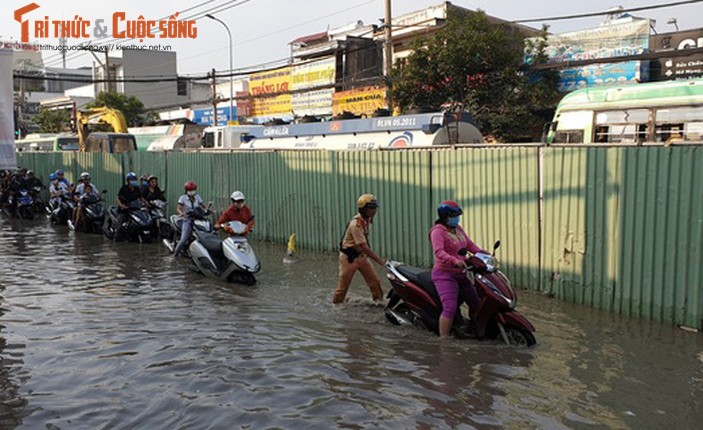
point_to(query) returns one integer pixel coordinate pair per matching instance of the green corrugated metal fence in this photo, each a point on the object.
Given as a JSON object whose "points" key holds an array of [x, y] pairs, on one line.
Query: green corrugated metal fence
{"points": [[615, 228]]}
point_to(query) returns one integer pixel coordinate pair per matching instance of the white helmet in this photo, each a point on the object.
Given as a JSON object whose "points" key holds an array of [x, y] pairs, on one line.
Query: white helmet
{"points": [[237, 195], [85, 175]]}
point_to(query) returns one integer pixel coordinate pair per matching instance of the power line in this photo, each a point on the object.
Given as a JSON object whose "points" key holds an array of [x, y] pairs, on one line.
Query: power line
{"points": [[594, 14]]}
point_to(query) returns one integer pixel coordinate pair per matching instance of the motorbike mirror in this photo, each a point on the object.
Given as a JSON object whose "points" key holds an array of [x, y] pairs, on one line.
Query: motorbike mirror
{"points": [[496, 245]]}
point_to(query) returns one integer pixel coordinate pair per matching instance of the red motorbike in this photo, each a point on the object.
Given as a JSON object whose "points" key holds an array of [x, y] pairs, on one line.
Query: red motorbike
{"points": [[413, 299]]}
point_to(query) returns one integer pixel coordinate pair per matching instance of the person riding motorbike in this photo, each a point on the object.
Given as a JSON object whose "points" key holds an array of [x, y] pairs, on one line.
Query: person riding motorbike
{"points": [[80, 193], [128, 194], [16, 183], [187, 202], [355, 251], [237, 211], [57, 190], [33, 181], [61, 178], [449, 240], [152, 191]]}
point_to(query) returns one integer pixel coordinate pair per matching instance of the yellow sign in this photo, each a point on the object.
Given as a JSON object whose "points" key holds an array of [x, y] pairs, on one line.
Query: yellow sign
{"points": [[359, 101], [271, 93]]}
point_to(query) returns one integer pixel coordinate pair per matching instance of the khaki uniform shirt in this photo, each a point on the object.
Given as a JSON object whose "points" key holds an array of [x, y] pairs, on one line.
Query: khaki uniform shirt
{"points": [[357, 232]]}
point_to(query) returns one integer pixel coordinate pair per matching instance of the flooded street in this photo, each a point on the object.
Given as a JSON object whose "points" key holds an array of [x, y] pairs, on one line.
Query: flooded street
{"points": [[95, 335]]}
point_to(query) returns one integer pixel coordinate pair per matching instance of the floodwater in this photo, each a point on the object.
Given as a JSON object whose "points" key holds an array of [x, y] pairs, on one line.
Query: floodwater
{"points": [[98, 335]]}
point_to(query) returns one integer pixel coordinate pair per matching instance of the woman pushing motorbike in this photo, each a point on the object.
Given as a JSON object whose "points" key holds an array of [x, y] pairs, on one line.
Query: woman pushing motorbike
{"points": [[448, 238]]}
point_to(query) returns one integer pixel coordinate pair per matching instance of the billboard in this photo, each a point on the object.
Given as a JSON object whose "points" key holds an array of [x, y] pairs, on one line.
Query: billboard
{"points": [[359, 101], [314, 76], [7, 129], [270, 93], [607, 41], [205, 117], [673, 63]]}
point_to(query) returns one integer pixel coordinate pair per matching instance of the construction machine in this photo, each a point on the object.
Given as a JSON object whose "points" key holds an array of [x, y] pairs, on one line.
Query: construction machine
{"points": [[102, 115]]}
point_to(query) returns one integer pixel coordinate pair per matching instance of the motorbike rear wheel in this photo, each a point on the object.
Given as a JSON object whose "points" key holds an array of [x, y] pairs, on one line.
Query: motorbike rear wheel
{"points": [[520, 337]]}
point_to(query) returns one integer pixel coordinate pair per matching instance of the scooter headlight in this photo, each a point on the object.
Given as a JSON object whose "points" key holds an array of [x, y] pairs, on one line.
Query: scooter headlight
{"points": [[511, 303]]}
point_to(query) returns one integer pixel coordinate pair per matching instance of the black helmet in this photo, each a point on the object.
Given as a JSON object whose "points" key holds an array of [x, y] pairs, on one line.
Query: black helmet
{"points": [[448, 209]]}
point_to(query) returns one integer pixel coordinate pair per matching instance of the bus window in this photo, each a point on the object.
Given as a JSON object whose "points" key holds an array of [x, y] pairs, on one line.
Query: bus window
{"points": [[669, 133], [679, 124], [621, 126], [67, 143], [568, 136]]}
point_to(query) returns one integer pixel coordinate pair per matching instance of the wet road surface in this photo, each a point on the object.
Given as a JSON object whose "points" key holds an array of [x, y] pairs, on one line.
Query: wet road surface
{"points": [[95, 335]]}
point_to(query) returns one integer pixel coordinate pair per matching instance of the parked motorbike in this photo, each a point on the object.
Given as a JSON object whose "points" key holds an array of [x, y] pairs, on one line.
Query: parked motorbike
{"points": [[60, 210], [199, 218], [413, 299], [158, 216], [139, 226], [231, 259]]}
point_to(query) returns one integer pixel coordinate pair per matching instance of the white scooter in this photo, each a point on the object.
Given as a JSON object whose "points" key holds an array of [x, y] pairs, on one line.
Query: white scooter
{"points": [[231, 259]]}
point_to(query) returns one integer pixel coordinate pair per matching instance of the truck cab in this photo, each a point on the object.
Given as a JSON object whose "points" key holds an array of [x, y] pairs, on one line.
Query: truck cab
{"points": [[226, 137]]}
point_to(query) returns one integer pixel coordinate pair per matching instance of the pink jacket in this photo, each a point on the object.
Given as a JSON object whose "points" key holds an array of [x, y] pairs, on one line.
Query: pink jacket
{"points": [[446, 245]]}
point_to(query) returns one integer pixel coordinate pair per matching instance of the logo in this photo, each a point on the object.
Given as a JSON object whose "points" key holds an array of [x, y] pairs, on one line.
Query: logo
{"points": [[25, 24], [405, 139], [122, 27]]}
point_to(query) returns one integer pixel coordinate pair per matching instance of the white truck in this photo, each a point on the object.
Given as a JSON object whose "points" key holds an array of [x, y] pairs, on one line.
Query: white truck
{"points": [[226, 136]]}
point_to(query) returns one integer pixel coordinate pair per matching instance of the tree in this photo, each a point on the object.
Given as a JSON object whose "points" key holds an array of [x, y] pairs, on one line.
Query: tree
{"points": [[471, 64], [53, 121], [131, 107]]}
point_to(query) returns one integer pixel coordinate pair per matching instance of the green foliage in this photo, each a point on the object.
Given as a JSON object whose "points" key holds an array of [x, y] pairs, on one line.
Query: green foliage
{"points": [[473, 65], [131, 107], [53, 121]]}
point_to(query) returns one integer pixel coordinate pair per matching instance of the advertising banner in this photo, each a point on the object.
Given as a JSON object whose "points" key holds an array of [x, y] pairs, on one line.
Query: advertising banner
{"points": [[7, 128], [673, 64], [359, 101], [315, 75], [607, 41], [271, 93]]}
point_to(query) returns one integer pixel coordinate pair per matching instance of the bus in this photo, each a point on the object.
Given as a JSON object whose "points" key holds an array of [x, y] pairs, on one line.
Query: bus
{"points": [[654, 113], [47, 143], [383, 132]]}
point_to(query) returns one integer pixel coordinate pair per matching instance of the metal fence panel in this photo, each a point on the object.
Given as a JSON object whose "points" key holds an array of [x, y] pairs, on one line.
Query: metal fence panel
{"points": [[617, 228]]}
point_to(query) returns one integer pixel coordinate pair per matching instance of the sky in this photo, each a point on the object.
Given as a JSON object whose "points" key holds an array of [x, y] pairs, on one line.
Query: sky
{"points": [[262, 29]]}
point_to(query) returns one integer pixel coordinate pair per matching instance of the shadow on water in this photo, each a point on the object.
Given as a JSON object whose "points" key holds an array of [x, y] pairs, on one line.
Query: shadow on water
{"points": [[96, 334]]}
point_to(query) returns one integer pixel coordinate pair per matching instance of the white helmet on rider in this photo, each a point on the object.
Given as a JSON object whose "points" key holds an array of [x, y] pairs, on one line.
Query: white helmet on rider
{"points": [[237, 196], [85, 176]]}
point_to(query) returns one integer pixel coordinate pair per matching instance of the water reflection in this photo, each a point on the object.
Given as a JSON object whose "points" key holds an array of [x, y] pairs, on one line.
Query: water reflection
{"points": [[96, 334]]}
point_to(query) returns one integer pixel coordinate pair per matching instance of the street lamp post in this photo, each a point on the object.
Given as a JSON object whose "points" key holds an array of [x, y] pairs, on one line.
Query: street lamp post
{"points": [[231, 71]]}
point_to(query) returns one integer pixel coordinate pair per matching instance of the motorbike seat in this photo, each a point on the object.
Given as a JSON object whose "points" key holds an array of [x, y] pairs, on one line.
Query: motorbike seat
{"points": [[420, 277], [210, 241]]}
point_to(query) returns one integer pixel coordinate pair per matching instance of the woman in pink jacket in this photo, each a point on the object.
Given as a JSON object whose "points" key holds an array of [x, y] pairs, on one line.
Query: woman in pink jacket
{"points": [[448, 275]]}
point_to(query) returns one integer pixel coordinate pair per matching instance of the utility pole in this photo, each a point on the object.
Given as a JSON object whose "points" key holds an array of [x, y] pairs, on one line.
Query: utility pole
{"points": [[388, 54], [214, 98], [107, 69], [62, 42]]}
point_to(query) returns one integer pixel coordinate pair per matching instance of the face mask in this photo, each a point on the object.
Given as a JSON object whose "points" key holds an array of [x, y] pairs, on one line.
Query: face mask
{"points": [[191, 193], [452, 222], [134, 183]]}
